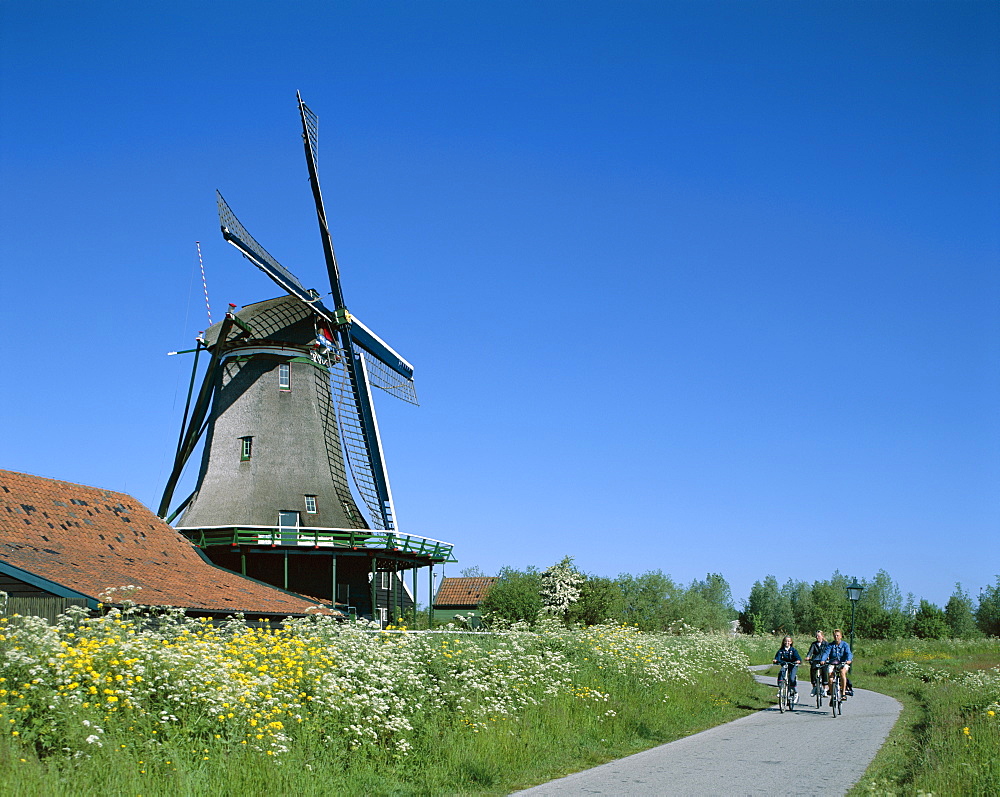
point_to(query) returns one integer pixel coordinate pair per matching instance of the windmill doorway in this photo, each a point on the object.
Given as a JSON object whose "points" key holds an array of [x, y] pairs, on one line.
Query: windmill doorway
{"points": [[288, 523]]}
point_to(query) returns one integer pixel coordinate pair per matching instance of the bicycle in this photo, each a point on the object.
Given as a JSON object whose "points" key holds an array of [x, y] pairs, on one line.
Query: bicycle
{"points": [[836, 696], [785, 692], [819, 681]]}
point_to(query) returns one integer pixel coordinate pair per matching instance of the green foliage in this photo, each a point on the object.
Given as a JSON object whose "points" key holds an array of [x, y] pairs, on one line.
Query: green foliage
{"points": [[768, 609], [930, 622], [880, 611], [708, 605], [652, 600], [948, 735], [601, 599], [803, 606], [988, 612], [959, 615], [832, 608], [514, 597]]}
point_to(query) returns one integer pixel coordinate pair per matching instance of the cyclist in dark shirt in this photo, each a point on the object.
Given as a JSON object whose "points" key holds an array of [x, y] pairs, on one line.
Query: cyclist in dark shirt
{"points": [[813, 656], [787, 654]]}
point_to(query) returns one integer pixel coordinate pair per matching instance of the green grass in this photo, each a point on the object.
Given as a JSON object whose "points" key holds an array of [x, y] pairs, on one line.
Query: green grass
{"points": [[445, 714], [946, 742], [560, 736], [165, 705]]}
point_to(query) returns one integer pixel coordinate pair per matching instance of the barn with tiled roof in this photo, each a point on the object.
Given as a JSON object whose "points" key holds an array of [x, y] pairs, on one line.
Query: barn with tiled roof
{"points": [[461, 595], [70, 541]]}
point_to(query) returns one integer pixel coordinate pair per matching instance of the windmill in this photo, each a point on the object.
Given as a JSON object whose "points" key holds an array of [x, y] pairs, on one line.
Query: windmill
{"points": [[286, 408]]}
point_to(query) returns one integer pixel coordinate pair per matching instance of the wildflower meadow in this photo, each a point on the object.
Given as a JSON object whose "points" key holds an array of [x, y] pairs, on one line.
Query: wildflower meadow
{"points": [[145, 702], [947, 741]]}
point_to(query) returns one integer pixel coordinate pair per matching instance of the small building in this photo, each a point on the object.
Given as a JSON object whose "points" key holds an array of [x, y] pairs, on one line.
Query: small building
{"points": [[461, 596], [64, 544]]}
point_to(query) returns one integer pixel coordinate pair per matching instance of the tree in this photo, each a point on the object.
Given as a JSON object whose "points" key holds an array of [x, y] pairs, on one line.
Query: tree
{"points": [[832, 607], [959, 615], [803, 607], [880, 610], [909, 613], [930, 622], [560, 588], [708, 604], [652, 600], [767, 610], [988, 612], [601, 599], [514, 596]]}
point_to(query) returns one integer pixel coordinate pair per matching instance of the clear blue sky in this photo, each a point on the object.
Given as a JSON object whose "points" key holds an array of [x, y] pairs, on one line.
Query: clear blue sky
{"points": [[684, 284]]}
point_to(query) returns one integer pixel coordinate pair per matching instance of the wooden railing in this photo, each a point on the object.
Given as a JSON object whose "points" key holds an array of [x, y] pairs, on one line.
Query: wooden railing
{"points": [[49, 607], [303, 537]]}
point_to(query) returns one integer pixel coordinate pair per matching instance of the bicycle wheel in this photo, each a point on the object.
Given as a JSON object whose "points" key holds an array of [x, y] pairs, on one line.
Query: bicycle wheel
{"points": [[782, 695], [835, 696], [819, 692]]}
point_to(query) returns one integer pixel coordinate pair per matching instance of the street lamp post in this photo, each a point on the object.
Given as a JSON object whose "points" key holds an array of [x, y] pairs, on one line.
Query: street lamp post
{"points": [[854, 594]]}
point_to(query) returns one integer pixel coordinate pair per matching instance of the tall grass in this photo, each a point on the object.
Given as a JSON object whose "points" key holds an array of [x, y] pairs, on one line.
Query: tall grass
{"points": [[947, 741], [133, 703]]}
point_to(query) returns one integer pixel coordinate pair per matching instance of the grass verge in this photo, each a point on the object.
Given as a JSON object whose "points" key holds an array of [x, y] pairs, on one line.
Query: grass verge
{"points": [[947, 740], [165, 706]]}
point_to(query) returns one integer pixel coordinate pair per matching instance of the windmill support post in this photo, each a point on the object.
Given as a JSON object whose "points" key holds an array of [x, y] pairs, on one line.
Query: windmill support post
{"points": [[430, 600], [194, 429], [415, 597], [374, 588]]}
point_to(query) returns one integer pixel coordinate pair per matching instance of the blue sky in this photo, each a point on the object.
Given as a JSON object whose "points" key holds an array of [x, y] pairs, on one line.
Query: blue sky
{"points": [[691, 286]]}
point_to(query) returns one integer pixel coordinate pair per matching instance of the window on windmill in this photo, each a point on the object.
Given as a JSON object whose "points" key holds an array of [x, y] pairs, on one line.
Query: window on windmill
{"points": [[246, 448], [285, 376], [383, 579], [311, 504]]}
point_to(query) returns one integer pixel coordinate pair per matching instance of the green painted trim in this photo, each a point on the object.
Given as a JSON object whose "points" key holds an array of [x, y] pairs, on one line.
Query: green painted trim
{"points": [[362, 540], [40, 582], [241, 358]]}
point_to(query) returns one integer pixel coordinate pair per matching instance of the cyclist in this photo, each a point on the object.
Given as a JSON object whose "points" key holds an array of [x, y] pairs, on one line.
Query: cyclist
{"points": [[813, 657], [787, 654], [838, 652]]}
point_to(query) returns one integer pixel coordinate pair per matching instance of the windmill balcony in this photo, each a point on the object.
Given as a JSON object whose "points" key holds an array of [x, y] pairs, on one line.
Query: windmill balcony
{"points": [[303, 537]]}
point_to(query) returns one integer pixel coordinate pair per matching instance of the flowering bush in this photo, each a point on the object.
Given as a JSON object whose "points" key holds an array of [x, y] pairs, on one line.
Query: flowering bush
{"points": [[560, 588]]}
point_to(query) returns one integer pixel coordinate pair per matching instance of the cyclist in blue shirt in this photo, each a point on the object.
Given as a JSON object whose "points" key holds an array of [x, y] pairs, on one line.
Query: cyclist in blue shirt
{"points": [[789, 655], [838, 652]]}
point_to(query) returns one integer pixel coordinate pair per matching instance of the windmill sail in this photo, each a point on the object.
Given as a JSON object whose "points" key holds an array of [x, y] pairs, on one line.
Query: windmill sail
{"points": [[387, 379], [356, 450], [236, 234], [365, 454]]}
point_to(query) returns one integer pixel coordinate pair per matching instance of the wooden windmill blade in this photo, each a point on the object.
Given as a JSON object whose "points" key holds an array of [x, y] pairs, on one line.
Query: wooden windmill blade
{"points": [[236, 234], [358, 344]]}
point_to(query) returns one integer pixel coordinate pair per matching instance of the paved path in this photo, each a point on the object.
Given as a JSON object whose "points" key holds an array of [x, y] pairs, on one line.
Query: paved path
{"points": [[764, 753]]}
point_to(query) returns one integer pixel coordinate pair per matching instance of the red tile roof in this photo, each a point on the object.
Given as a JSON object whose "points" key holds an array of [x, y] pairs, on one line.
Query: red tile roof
{"points": [[466, 591], [89, 540]]}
